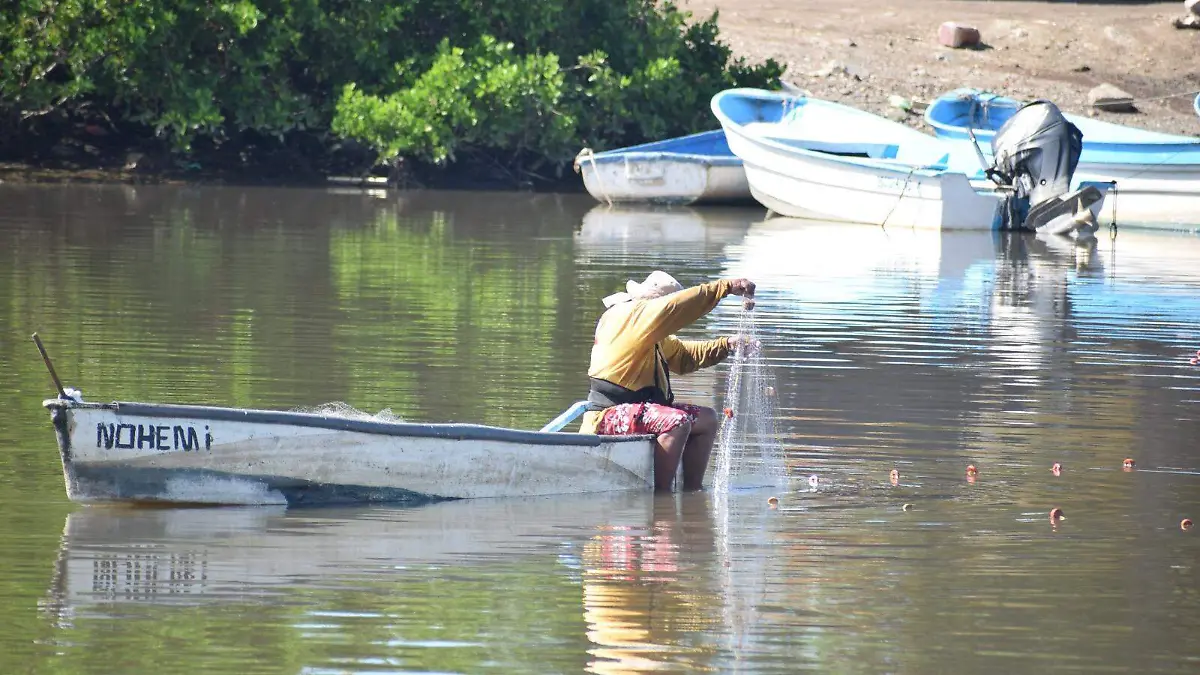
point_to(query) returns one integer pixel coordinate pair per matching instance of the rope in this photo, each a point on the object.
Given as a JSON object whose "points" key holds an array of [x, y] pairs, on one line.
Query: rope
{"points": [[903, 191], [588, 156]]}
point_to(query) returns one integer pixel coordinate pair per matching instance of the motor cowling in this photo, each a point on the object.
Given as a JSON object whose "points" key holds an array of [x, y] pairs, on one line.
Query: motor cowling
{"points": [[1035, 153]]}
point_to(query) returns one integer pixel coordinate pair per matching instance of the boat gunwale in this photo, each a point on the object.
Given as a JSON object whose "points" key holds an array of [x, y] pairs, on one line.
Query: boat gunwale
{"points": [[899, 168], [1161, 143], [662, 145], [621, 156], [450, 431]]}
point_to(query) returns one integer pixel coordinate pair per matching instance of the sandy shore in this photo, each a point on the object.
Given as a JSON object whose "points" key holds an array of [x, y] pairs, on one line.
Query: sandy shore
{"points": [[1051, 50]]}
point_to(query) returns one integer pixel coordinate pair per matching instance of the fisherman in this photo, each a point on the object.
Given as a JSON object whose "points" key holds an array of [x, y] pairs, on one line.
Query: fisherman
{"points": [[633, 356]]}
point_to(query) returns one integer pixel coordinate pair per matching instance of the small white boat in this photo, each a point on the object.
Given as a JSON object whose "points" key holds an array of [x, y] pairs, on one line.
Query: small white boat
{"points": [[145, 452], [693, 169], [1157, 175], [808, 158]]}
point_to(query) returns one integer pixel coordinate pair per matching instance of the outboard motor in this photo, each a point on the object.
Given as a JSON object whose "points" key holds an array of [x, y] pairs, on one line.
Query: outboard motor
{"points": [[1035, 154]]}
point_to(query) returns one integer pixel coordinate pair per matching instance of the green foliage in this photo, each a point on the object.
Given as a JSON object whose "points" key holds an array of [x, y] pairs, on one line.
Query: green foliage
{"points": [[521, 82], [487, 98]]}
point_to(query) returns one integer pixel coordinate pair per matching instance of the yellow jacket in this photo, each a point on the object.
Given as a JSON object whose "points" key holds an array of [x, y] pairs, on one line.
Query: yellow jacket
{"points": [[627, 334]]}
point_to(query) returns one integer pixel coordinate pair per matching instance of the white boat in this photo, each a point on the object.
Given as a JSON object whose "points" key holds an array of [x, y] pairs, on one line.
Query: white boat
{"points": [[808, 158], [1157, 175], [693, 169], [145, 452]]}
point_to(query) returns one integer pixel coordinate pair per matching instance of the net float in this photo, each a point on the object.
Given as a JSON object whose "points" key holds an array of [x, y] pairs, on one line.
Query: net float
{"points": [[729, 413], [1185, 524], [770, 391], [907, 507], [1128, 463], [813, 480], [894, 476], [1056, 514], [971, 470], [773, 501], [1057, 468]]}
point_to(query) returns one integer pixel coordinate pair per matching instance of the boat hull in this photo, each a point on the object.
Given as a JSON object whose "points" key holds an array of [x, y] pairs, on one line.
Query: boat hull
{"points": [[696, 169], [136, 452]]}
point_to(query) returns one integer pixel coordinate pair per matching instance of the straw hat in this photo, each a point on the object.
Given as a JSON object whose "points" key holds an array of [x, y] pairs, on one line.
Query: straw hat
{"points": [[656, 285]]}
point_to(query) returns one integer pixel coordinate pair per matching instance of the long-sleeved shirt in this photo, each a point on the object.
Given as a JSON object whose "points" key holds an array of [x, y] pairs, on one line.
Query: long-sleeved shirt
{"points": [[626, 336]]}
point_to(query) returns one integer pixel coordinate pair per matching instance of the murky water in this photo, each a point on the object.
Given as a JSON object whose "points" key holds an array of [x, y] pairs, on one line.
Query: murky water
{"points": [[892, 350]]}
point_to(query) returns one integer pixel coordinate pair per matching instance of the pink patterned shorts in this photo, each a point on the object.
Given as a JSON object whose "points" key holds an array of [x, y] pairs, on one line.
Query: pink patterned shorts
{"points": [[645, 418]]}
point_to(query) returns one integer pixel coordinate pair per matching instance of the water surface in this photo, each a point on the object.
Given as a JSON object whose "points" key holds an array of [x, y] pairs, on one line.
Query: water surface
{"points": [[919, 352]]}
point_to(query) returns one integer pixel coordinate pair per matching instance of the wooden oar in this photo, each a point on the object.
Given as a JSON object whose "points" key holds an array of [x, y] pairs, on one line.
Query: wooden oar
{"points": [[49, 366]]}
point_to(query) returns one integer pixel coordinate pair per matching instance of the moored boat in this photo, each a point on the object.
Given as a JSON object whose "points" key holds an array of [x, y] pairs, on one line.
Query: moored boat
{"points": [[809, 158], [694, 169], [1157, 175], [145, 452]]}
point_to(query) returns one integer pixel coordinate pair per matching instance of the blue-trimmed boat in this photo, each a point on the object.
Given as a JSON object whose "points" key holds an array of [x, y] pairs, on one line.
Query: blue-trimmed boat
{"points": [[1157, 175], [809, 158], [147, 453], [694, 169]]}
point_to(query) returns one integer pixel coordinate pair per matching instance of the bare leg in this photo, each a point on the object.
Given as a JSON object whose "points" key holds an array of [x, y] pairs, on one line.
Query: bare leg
{"points": [[698, 448], [669, 447]]}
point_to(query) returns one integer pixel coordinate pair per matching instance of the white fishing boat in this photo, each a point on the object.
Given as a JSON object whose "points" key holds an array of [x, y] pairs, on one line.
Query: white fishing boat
{"points": [[1156, 175], [147, 452], [808, 158], [693, 169]]}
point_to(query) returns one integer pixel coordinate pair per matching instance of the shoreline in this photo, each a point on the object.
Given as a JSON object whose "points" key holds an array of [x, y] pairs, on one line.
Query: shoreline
{"points": [[846, 53]]}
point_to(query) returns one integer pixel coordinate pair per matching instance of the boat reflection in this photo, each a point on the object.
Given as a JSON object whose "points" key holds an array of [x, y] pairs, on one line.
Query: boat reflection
{"points": [[191, 556], [661, 235], [632, 556]]}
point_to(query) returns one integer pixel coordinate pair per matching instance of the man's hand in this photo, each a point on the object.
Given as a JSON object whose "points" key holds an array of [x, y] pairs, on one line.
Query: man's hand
{"points": [[742, 287], [741, 343]]}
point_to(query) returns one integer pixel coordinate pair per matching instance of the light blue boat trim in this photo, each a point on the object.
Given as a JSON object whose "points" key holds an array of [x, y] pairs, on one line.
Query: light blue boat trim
{"points": [[706, 147], [458, 432], [762, 106], [1103, 142], [663, 157], [577, 408]]}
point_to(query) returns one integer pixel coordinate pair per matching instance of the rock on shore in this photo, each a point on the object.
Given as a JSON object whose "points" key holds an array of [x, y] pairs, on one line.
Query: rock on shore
{"points": [[1059, 51]]}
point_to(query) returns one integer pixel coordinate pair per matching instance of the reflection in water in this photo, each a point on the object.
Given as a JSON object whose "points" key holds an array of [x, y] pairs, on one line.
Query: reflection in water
{"points": [[914, 351], [637, 589]]}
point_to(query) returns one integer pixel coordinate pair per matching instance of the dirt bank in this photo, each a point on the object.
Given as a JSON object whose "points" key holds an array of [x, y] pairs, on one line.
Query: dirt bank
{"points": [[1053, 50]]}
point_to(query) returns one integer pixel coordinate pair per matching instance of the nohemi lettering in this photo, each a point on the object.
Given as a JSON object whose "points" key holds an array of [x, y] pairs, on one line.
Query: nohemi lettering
{"points": [[151, 437]]}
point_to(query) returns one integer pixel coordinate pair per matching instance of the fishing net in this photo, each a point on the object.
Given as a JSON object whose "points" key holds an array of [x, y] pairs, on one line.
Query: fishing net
{"points": [[749, 452], [347, 411]]}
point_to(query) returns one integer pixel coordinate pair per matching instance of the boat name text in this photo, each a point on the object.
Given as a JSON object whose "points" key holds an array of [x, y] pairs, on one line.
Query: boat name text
{"points": [[151, 437]]}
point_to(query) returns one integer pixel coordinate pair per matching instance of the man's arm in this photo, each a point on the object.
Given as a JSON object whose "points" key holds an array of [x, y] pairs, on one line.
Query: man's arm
{"points": [[686, 356], [665, 316]]}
